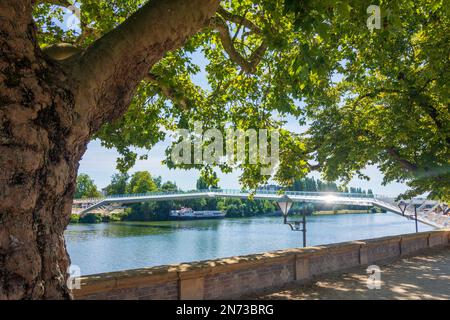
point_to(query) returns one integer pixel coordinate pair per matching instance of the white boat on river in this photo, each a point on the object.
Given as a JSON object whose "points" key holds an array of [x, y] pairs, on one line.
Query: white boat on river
{"points": [[189, 214]]}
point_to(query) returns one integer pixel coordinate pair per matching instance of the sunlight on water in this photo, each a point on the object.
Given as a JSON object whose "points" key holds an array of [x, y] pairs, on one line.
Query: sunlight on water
{"points": [[129, 245]]}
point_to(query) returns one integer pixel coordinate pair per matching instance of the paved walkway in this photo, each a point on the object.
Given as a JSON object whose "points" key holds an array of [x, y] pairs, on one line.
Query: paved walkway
{"points": [[425, 276]]}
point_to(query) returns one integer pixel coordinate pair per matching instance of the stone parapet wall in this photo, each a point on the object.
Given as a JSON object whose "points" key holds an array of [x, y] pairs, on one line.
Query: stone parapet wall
{"points": [[237, 276]]}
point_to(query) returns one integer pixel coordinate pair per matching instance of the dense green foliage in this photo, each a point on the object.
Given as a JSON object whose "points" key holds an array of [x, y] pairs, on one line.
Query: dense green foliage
{"points": [[90, 218], [86, 187], [74, 218], [141, 182], [118, 184], [390, 104], [369, 97], [205, 183]]}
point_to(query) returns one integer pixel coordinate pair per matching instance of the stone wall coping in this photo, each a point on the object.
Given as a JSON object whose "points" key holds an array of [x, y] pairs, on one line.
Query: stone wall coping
{"points": [[336, 248], [439, 230], [383, 240], [414, 236], [202, 268]]}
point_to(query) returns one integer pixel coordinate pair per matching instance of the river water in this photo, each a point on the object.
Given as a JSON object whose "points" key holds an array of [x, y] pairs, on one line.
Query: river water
{"points": [[108, 247]]}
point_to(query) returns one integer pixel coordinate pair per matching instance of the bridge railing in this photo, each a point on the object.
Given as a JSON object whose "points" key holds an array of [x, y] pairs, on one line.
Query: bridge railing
{"points": [[237, 191], [159, 193], [298, 193], [139, 195], [231, 191], [333, 194], [88, 199]]}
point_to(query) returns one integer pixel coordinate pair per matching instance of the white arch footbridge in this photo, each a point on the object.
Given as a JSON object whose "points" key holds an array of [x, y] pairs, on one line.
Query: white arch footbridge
{"points": [[418, 209]]}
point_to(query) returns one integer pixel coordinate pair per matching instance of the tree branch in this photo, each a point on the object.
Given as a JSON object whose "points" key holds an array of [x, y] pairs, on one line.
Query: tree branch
{"points": [[108, 72], [239, 20], [395, 155], [249, 66], [376, 92], [168, 91]]}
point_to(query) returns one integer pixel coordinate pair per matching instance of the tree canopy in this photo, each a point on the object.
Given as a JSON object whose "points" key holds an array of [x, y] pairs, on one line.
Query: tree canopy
{"points": [[118, 184], [207, 181], [368, 96], [86, 187], [141, 182]]}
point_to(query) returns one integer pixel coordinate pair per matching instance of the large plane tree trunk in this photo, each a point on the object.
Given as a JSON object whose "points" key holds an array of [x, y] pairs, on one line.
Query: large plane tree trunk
{"points": [[48, 112], [39, 154]]}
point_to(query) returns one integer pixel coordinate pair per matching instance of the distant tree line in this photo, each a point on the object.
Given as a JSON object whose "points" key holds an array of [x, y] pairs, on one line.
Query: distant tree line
{"points": [[144, 182], [313, 185], [316, 185]]}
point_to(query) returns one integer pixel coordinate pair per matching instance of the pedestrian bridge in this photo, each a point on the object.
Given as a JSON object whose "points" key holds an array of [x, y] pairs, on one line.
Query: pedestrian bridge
{"points": [[418, 209]]}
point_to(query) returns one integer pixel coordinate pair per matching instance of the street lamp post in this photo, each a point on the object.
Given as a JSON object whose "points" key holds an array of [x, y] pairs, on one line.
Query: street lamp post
{"points": [[415, 218], [285, 205]]}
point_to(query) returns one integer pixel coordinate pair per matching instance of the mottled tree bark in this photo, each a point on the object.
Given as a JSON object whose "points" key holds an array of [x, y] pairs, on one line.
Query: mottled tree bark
{"points": [[39, 157], [48, 112]]}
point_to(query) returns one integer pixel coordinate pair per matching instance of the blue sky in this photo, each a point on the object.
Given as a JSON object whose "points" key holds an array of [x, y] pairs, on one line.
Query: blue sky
{"points": [[100, 163]]}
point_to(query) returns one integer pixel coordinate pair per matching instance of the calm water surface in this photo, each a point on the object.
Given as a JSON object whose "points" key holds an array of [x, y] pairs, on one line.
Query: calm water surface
{"points": [[108, 247]]}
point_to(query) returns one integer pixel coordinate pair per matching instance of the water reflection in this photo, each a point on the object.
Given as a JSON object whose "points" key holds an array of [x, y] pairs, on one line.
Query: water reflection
{"points": [[129, 245]]}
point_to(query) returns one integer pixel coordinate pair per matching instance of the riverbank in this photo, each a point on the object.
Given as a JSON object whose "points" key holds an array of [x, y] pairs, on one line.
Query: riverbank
{"points": [[121, 216], [96, 218]]}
